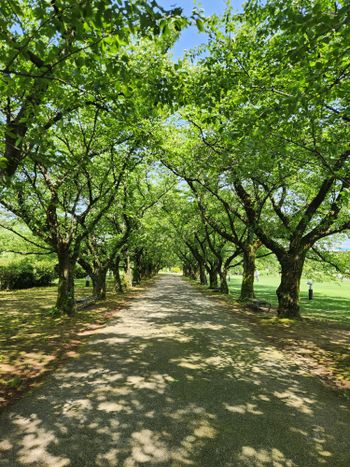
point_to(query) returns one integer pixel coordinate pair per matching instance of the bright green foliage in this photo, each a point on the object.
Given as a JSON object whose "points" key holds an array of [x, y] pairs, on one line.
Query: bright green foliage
{"points": [[270, 105], [56, 57], [116, 157], [24, 274]]}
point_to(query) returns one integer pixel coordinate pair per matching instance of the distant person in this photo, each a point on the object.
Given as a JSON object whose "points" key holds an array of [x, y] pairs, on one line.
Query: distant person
{"points": [[257, 275]]}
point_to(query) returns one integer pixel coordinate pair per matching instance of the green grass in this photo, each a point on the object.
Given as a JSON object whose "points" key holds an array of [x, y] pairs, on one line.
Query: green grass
{"points": [[331, 299]]}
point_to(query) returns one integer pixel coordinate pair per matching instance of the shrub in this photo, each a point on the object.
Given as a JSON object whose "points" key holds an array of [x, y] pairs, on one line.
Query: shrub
{"points": [[44, 274], [23, 275], [17, 276]]}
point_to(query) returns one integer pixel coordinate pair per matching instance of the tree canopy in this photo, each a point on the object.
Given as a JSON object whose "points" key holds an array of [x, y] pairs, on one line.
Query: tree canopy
{"points": [[115, 156]]}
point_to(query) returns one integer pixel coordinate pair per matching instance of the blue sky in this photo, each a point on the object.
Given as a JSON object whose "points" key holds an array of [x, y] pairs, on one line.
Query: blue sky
{"points": [[346, 244], [191, 37]]}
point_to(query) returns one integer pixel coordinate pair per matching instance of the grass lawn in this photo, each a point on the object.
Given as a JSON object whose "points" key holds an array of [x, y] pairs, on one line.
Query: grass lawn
{"points": [[331, 299], [32, 342]]}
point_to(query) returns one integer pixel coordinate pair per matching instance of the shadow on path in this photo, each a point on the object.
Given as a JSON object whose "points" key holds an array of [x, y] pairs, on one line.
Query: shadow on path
{"points": [[176, 380]]}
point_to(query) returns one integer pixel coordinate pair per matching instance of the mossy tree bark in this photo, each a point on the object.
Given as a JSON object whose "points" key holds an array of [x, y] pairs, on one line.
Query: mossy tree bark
{"points": [[289, 288], [118, 284], [99, 283], [247, 287], [213, 278], [223, 282], [202, 276]]}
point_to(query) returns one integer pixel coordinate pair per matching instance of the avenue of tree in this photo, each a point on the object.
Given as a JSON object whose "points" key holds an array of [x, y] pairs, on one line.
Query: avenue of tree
{"points": [[115, 157]]}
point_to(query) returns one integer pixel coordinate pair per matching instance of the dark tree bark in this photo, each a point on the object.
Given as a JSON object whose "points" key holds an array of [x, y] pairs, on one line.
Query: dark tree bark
{"points": [[65, 295], [193, 272], [99, 284], [199, 258], [202, 276], [213, 278], [189, 271], [223, 282], [118, 285], [288, 290], [185, 269]]}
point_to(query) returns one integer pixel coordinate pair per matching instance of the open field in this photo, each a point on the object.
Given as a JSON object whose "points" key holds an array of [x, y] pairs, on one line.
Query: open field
{"points": [[331, 299]]}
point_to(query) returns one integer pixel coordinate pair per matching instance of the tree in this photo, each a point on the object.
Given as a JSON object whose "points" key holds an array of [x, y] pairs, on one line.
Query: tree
{"points": [[109, 243], [64, 202], [71, 178], [278, 134], [191, 159], [59, 56], [150, 247], [101, 251]]}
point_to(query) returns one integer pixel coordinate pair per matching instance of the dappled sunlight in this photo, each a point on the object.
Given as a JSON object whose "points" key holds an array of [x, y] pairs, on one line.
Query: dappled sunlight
{"points": [[319, 347], [331, 299], [260, 457], [111, 407], [194, 362], [77, 409], [31, 341], [301, 403], [244, 409], [188, 386], [108, 458], [147, 446], [154, 382], [34, 443]]}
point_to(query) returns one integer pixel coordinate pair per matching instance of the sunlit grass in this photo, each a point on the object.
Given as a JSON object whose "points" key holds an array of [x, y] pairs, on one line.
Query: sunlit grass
{"points": [[331, 299]]}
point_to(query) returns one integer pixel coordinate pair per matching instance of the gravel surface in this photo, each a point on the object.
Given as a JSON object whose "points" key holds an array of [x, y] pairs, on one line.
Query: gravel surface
{"points": [[177, 380]]}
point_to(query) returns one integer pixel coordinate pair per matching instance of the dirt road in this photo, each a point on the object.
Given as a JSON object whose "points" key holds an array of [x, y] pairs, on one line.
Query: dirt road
{"points": [[177, 380]]}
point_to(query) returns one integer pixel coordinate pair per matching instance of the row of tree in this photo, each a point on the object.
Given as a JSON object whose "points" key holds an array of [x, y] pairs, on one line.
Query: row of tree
{"points": [[82, 86], [262, 140], [113, 152]]}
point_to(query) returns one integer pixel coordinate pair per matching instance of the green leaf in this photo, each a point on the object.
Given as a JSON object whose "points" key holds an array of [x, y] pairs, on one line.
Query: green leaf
{"points": [[3, 162], [200, 25]]}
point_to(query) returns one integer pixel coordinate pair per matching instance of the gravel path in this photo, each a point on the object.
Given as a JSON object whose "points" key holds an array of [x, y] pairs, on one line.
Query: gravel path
{"points": [[177, 380]]}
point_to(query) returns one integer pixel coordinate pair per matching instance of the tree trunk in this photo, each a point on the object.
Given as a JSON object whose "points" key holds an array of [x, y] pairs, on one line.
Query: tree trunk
{"points": [[128, 272], [213, 279], [65, 302], [289, 288], [137, 269], [223, 282], [147, 271], [118, 285], [136, 274], [247, 288], [99, 284], [187, 269], [202, 276], [193, 273]]}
